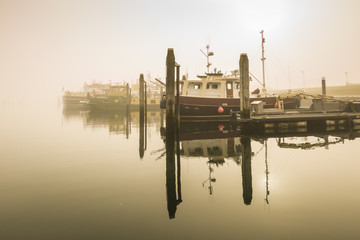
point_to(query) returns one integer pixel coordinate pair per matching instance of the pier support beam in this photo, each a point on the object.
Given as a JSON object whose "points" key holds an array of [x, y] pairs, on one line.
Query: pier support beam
{"points": [[323, 86], [170, 90], [244, 86], [142, 120], [170, 134], [128, 102], [177, 96], [142, 93]]}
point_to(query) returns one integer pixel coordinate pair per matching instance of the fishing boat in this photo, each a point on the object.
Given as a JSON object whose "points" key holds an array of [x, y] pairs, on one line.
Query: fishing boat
{"points": [[115, 98], [78, 100], [215, 95], [152, 96], [74, 99]]}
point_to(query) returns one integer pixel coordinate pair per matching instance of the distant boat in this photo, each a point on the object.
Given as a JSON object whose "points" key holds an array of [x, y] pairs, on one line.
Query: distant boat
{"points": [[74, 99], [153, 96], [119, 97], [79, 99], [116, 97]]}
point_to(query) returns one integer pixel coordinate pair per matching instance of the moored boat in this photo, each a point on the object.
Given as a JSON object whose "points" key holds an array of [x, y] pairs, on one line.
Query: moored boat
{"points": [[74, 99], [215, 95], [115, 98]]}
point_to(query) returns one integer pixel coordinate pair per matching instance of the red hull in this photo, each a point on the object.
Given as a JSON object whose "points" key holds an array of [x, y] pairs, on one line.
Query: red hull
{"points": [[192, 107]]}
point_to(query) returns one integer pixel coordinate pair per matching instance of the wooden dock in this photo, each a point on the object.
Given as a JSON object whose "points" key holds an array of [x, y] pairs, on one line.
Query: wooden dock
{"points": [[302, 122]]}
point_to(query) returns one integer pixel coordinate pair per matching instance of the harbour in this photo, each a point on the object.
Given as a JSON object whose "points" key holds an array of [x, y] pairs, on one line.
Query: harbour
{"points": [[191, 120], [219, 160]]}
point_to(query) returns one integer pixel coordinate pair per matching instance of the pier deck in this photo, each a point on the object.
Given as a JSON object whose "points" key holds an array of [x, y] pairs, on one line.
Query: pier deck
{"points": [[294, 117], [298, 122]]}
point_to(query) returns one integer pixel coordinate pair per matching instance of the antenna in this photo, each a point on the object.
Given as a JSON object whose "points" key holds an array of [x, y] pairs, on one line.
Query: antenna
{"points": [[263, 58], [207, 55]]}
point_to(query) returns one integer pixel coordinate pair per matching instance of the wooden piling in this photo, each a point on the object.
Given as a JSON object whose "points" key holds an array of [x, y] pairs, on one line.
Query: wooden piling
{"points": [[179, 200], [170, 89], [244, 86], [323, 86], [145, 98], [170, 133], [145, 114], [128, 102], [142, 93], [141, 119], [177, 96]]}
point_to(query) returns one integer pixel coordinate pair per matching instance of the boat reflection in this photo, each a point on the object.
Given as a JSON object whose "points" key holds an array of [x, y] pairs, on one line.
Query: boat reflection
{"points": [[119, 122], [218, 143]]}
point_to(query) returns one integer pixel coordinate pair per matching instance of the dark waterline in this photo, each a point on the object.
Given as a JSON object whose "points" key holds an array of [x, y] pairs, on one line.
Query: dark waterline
{"points": [[71, 174]]}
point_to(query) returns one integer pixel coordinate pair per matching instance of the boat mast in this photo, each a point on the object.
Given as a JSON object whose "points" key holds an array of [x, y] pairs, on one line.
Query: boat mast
{"points": [[207, 55], [263, 59]]}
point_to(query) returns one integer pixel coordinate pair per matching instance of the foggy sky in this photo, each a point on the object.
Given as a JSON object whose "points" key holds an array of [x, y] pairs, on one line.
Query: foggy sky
{"points": [[46, 45]]}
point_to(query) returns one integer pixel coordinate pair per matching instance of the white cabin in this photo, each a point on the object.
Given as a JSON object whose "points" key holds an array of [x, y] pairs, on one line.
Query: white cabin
{"points": [[213, 85]]}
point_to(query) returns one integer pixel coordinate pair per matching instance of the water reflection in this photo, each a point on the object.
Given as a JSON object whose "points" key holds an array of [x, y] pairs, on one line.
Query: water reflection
{"points": [[217, 143], [118, 122]]}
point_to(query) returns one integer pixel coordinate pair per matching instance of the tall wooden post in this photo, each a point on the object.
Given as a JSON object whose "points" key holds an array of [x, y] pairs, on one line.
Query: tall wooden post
{"points": [[127, 109], [141, 123], [145, 97], [323, 86], [244, 86], [170, 134], [177, 96], [179, 200], [145, 114], [141, 93], [170, 88]]}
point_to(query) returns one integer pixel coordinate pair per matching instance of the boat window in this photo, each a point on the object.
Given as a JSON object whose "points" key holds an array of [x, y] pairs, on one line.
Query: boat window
{"points": [[152, 101], [197, 86], [237, 85], [196, 151], [106, 100], [212, 85], [229, 85], [214, 151]]}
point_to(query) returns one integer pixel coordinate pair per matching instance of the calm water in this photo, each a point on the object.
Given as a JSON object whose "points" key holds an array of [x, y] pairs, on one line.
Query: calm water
{"points": [[80, 175]]}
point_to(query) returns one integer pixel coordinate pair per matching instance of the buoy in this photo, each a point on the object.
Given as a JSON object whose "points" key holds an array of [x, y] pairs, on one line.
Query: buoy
{"points": [[220, 110], [275, 105], [221, 127]]}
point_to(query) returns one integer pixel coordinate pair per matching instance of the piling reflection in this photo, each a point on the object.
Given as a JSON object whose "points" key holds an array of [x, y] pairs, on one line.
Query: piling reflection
{"points": [[246, 170], [173, 198]]}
